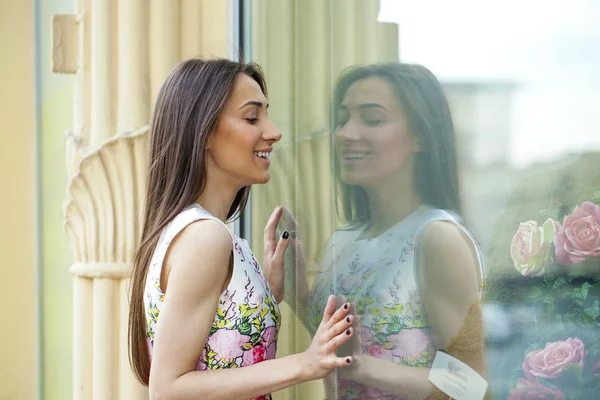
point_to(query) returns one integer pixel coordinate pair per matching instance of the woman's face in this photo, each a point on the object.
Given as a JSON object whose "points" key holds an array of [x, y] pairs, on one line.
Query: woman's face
{"points": [[240, 148], [373, 140]]}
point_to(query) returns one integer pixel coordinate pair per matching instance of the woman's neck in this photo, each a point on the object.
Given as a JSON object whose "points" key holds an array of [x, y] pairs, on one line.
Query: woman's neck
{"points": [[217, 199], [388, 205]]}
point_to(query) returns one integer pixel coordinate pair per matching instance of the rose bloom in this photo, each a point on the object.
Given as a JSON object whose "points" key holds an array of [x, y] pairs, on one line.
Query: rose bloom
{"points": [[550, 361], [531, 247], [528, 390], [579, 237]]}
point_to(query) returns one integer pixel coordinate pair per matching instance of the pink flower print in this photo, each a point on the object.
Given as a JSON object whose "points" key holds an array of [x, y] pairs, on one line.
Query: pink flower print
{"points": [[201, 363], [378, 351], [269, 342], [254, 355], [227, 343], [410, 343]]}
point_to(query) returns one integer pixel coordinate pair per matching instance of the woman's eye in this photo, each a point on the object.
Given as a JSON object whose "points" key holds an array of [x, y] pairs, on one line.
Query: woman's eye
{"points": [[252, 121], [372, 122]]}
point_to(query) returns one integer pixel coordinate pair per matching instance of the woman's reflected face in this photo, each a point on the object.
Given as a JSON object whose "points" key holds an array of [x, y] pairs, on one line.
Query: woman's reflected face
{"points": [[373, 140]]}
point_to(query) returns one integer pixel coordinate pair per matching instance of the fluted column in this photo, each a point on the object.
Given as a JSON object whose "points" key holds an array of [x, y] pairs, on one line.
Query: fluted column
{"points": [[124, 50]]}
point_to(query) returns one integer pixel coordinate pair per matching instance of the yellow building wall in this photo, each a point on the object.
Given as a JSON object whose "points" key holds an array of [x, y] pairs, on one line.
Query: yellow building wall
{"points": [[18, 326]]}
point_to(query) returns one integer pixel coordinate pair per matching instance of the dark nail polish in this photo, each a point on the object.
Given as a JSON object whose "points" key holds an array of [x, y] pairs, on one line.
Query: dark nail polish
{"points": [[348, 319], [348, 360], [347, 331], [286, 234], [346, 306]]}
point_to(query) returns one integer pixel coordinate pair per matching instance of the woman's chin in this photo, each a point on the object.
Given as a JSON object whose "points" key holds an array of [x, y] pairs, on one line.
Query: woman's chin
{"points": [[352, 179], [261, 180]]}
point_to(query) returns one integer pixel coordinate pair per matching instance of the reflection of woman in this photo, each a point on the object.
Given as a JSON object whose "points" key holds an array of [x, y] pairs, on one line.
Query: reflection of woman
{"points": [[405, 261], [203, 312]]}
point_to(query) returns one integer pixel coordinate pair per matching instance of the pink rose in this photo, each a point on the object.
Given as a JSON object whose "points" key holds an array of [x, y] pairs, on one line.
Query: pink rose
{"points": [[579, 237], [596, 369], [528, 390], [201, 364], [227, 343], [254, 355], [269, 342], [410, 343], [378, 351], [550, 361], [530, 249]]}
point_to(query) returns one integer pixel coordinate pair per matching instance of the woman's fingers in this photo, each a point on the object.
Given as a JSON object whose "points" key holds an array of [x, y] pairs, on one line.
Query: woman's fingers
{"points": [[329, 310], [282, 245], [343, 361], [338, 316], [270, 239], [341, 326]]}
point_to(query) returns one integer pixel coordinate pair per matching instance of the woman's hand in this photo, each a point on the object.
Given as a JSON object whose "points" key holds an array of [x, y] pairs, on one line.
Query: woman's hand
{"points": [[354, 347], [274, 253], [335, 329]]}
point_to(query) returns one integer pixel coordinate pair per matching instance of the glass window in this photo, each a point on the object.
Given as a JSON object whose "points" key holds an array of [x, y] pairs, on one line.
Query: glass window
{"points": [[521, 86]]}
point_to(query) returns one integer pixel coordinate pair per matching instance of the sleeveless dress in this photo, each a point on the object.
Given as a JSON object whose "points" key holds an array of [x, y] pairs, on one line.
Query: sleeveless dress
{"points": [[247, 319], [380, 277]]}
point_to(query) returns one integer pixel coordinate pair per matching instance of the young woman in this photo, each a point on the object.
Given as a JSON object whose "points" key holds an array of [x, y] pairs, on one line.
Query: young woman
{"points": [[204, 318], [404, 260]]}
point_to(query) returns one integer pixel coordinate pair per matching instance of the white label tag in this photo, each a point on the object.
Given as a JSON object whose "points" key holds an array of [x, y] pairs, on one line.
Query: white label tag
{"points": [[456, 379]]}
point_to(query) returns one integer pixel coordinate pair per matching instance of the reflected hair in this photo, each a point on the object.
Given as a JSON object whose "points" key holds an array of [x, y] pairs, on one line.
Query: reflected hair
{"points": [[187, 111], [428, 113]]}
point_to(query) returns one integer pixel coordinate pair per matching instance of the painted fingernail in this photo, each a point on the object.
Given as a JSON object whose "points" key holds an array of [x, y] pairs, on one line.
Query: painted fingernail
{"points": [[348, 319], [286, 235], [348, 360], [347, 331], [346, 306]]}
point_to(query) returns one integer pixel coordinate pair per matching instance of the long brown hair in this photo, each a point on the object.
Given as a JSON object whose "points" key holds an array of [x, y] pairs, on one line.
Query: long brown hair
{"points": [[186, 113], [428, 113]]}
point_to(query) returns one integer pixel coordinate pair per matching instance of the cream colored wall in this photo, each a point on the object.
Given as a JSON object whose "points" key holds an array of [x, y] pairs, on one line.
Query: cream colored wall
{"points": [[18, 329]]}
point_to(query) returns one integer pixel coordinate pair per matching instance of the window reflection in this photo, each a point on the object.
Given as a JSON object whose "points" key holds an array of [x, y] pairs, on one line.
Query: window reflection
{"points": [[521, 85]]}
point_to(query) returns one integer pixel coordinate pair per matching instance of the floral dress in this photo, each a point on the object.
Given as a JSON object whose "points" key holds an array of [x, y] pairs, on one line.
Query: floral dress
{"points": [[378, 275], [247, 319]]}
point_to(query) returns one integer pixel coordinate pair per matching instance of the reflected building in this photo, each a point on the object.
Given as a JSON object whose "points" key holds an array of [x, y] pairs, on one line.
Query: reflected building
{"points": [[482, 112]]}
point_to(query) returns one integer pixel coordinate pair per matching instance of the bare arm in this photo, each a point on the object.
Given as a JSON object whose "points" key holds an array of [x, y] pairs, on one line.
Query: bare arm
{"points": [[449, 290], [197, 266]]}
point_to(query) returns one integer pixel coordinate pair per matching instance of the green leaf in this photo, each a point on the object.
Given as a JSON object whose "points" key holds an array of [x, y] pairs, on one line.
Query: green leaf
{"points": [[245, 328], [592, 312], [255, 338], [571, 374], [393, 328]]}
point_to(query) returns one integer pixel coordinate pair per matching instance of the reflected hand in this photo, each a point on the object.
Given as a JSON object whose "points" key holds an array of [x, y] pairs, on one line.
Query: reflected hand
{"points": [[354, 347], [296, 254]]}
